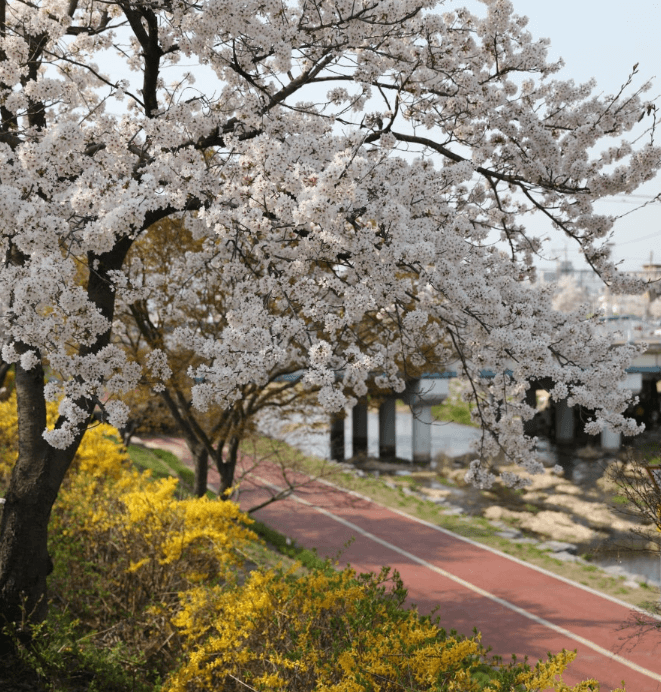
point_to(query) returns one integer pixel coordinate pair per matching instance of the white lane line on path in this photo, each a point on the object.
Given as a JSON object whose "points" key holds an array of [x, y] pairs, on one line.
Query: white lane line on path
{"points": [[495, 551], [476, 589], [483, 546]]}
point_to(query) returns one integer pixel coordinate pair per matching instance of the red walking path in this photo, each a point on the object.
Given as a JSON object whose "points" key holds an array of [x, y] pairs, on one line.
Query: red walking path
{"points": [[519, 608]]}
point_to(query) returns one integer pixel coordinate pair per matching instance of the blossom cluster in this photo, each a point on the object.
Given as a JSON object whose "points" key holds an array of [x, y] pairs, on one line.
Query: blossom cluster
{"points": [[359, 174]]}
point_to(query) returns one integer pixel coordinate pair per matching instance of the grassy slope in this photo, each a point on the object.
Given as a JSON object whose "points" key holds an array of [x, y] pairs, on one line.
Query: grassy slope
{"points": [[277, 549], [64, 661]]}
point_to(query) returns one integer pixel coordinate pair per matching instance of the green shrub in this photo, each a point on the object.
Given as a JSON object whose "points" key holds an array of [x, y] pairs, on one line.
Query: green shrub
{"points": [[61, 658], [454, 409], [125, 546]]}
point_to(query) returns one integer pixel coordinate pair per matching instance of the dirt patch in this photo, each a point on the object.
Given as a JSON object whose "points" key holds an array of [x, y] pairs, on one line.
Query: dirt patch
{"points": [[559, 527]]}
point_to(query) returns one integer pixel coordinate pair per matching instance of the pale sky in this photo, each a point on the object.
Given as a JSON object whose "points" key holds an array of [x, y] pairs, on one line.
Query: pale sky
{"points": [[604, 39]]}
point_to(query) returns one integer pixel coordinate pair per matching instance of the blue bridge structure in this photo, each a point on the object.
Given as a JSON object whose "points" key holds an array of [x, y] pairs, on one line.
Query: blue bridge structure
{"points": [[562, 422]]}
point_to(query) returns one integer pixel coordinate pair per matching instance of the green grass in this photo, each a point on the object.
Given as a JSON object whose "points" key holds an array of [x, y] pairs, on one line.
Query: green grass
{"points": [[163, 464], [173, 462], [147, 460], [308, 558], [453, 410]]}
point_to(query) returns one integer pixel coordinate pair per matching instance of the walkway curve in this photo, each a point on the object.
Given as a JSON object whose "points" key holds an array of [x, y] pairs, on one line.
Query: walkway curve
{"points": [[519, 608]]}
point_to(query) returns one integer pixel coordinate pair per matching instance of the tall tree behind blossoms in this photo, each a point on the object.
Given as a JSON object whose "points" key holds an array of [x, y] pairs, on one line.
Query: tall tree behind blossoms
{"points": [[351, 157], [175, 281]]}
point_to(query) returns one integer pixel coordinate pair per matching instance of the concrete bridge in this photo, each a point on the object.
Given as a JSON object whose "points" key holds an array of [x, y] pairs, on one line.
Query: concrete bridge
{"points": [[420, 394], [643, 379]]}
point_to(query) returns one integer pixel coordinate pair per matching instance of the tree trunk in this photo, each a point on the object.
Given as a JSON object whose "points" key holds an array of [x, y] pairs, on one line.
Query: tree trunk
{"points": [[40, 469], [227, 466], [201, 457], [128, 431], [4, 371], [34, 484]]}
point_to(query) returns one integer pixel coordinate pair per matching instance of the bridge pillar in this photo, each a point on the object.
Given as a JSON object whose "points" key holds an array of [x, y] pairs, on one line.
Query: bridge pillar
{"points": [[387, 435], [337, 437], [359, 428], [612, 440], [421, 437], [423, 395], [564, 422]]}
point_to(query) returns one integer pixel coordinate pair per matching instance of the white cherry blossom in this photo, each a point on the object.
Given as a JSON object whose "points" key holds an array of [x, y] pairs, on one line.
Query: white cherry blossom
{"points": [[359, 175]]}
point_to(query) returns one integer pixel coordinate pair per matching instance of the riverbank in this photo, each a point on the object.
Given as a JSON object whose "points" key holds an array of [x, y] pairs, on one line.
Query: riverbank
{"points": [[578, 507]]}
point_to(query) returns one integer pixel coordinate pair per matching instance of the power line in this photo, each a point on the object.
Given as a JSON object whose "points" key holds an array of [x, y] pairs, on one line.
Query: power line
{"points": [[656, 234], [633, 199]]}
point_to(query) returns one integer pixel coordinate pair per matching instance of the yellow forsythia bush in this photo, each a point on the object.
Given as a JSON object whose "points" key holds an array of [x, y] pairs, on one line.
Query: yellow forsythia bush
{"points": [[334, 632], [125, 546], [8, 440]]}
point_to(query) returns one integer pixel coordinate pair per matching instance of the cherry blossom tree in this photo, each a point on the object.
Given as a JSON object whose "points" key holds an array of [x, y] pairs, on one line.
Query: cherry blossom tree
{"points": [[168, 291], [351, 160]]}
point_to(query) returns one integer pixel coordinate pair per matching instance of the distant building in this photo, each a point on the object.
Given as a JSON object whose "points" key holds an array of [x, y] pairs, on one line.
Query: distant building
{"points": [[634, 316], [652, 272], [584, 278]]}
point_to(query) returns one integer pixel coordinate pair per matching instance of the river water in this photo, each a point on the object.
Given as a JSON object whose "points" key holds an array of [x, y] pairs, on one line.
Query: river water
{"points": [[450, 438], [311, 436]]}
